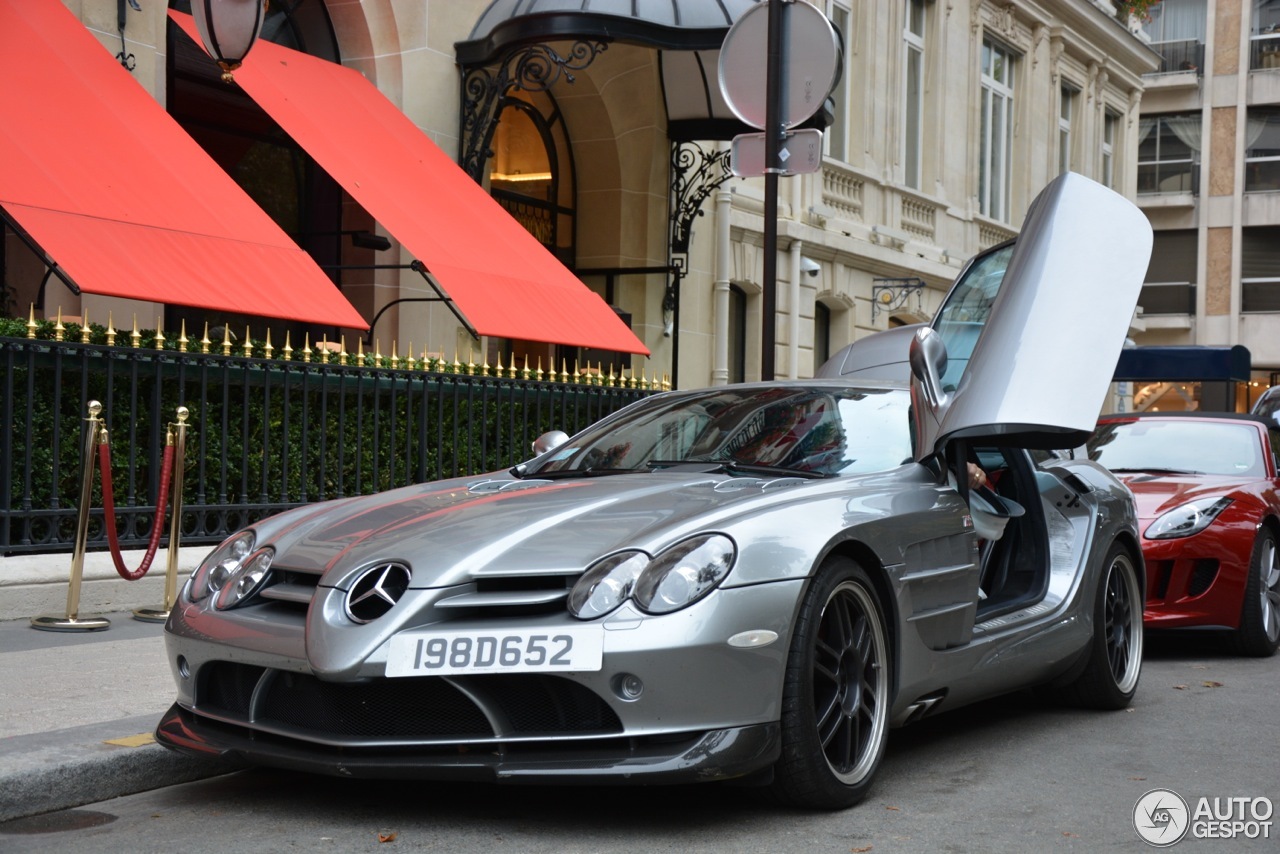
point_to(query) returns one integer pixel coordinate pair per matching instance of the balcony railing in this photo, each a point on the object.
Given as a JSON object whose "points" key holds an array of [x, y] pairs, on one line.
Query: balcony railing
{"points": [[1180, 56], [1168, 298], [1261, 174], [1168, 176], [1264, 51], [1260, 295]]}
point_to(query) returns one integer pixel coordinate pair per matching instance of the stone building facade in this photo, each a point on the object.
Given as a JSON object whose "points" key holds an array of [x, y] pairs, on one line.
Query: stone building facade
{"points": [[948, 117], [1209, 180]]}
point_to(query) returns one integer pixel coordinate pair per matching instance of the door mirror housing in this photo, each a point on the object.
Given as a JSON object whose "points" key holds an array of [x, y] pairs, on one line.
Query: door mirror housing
{"points": [[549, 441], [928, 359]]}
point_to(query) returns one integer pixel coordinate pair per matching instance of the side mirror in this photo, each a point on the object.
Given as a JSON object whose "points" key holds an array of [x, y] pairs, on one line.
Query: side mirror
{"points": [[549, 441], [928, 359]]}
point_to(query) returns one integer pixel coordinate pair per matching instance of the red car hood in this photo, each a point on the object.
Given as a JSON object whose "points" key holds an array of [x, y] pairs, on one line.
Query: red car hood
{"points": [[1157, 494]]}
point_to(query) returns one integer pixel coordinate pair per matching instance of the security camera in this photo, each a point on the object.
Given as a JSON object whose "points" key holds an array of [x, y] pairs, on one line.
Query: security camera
{"points": [[809, 267]]}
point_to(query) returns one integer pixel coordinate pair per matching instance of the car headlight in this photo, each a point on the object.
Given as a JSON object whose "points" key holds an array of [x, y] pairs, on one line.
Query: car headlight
{"points": [[245, 580], [684, 573], [606, 585], [1190, 518], [216, 570]]}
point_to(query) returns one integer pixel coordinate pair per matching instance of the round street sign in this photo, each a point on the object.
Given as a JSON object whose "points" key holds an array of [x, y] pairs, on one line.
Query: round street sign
{"points": [[810, 63]]}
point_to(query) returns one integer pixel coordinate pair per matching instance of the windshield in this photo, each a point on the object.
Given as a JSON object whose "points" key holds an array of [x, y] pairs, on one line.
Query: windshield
{"points": [[967, 308], [1268, 406], [819, 431], [1199, 447]]}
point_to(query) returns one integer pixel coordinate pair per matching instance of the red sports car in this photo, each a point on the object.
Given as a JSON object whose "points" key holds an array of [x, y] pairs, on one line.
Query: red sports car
{"points": [[1208, 498]]}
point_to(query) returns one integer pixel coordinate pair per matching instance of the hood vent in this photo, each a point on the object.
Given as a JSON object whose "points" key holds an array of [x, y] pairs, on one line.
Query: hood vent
{"points": [[486, 486]]}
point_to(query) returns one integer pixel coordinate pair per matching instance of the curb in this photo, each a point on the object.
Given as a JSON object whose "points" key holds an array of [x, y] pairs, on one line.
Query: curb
{"points": [[67, 768]]}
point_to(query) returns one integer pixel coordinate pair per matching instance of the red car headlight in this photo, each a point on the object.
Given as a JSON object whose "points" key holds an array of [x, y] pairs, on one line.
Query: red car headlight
{"points": [[1190, 518]]}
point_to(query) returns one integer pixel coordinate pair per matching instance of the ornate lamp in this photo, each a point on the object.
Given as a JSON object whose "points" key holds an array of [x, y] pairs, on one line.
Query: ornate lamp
{"points": [[892, 294], [228, 29]]}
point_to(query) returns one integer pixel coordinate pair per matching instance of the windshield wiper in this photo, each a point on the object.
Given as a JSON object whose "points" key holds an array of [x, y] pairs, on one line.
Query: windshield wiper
{"points": [[562, 474], [735, 467], [1153, 471]]}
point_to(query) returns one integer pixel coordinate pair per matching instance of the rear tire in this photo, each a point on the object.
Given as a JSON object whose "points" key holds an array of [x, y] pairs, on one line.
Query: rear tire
{"points": [[836, 694], [1259, 632], [1110, 677]]}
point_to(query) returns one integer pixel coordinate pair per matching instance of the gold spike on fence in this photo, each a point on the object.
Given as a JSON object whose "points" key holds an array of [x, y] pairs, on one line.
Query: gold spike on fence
{"points": [[220, 338]]}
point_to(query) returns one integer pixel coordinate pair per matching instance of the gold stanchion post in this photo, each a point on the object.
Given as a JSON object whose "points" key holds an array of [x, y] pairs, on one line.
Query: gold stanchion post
{"points": [[71, 621], [159, 615]]}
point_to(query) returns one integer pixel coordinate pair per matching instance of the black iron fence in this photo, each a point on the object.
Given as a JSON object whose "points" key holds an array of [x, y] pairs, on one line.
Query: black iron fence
{"points": [[266, 434]]}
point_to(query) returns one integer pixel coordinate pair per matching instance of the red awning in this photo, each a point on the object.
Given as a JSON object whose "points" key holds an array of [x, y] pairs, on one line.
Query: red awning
{"points": [[121, 198], [497, 274]]}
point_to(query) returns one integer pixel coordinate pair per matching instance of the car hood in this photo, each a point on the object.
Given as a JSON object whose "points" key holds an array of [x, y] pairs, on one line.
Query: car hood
{"points": [[450, 531], [1158, 494]]}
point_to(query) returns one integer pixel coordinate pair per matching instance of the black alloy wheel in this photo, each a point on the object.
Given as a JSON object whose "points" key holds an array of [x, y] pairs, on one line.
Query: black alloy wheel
{"points": [[836, 697], [1114, 664], [1259, 632]]}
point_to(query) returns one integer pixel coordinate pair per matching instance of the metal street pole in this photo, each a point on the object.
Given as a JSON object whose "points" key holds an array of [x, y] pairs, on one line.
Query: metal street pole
{"points": [[773, 131]]}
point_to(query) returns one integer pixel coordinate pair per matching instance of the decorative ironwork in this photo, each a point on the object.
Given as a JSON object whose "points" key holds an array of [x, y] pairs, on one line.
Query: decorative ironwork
{"points": [[696, 173], [892, 294], [538, 218], [126, 59], [532, 68]]}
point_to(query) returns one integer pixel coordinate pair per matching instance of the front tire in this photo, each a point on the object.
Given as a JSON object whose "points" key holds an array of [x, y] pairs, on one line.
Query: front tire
{"points": [[836, 695], [1110, 677], [1259, 632]]}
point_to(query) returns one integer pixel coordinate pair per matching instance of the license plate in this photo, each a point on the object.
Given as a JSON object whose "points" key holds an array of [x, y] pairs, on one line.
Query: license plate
{"points": [[580, 648]]}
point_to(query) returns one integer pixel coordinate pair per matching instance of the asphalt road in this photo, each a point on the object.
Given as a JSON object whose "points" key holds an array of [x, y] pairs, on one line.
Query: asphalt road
{"points": [[1013, 775]]}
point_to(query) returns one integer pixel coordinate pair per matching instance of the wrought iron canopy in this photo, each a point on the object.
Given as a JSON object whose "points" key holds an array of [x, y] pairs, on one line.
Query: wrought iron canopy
{"points": [[663, 24], [687, 33]]}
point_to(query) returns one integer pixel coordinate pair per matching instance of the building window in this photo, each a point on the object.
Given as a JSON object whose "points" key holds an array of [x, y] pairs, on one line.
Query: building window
{"points": [[1265, 38], [1260, 268], [1169, 154], [1262, 150], [737, 334], [1109, 121], [996, 131], [913, 93], [1065, 105], [1170, 285], [530, 173], [1177, 29], [821, 335], [837, 136]]}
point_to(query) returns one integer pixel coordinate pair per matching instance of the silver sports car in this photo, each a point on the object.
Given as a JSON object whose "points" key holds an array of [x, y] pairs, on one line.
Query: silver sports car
{"points": [[750, 582]]}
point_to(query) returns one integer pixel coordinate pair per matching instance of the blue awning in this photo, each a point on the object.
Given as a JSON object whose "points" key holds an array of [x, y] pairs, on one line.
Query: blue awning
{"points": [[1187, 363]]}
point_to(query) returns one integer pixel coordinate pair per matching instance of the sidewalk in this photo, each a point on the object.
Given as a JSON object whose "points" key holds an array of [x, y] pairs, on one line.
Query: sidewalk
{"points": [[77, 709]]}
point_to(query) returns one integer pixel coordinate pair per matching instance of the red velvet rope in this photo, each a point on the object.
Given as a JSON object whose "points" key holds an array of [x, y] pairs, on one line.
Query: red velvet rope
{"points": [[109, 512]]}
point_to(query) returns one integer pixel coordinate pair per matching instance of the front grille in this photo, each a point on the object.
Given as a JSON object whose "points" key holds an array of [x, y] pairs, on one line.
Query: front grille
{"points": [[423, 708], [228, 686], [535, 703], [290, 591], [1159, 573], [1202, 576]]}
